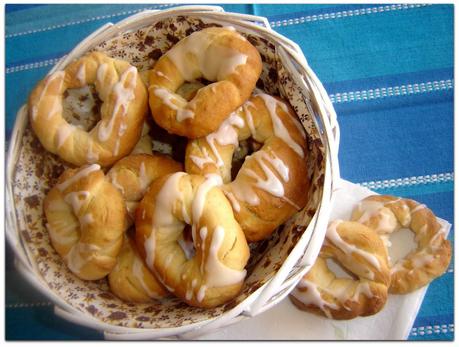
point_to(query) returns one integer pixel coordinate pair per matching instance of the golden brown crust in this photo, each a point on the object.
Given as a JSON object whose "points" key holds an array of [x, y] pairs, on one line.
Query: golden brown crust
{"points": [[131, 280], [386, 214], [133, 174], [86, 219], [221, 56], [212, 275], [123, 111], [361, 252], [261, 203]]}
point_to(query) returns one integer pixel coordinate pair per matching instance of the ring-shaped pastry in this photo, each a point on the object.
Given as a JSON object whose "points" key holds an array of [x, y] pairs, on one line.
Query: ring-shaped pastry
{"points": [[86, 218], [360, 251], [210, 273], [124, 106], [272, 183], [387, 214], [219, 55]]}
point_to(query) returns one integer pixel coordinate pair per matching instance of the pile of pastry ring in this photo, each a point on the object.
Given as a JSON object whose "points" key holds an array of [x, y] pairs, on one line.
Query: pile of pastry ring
{"points": [[361, 247], [153, 226]]}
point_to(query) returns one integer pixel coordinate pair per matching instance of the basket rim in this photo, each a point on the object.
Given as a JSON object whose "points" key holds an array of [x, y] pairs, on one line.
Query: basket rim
{"points": [[248, 307]]}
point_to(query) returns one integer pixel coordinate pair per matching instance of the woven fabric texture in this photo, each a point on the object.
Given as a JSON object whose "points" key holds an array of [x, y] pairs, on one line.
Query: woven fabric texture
{"points": [[388, 70]]}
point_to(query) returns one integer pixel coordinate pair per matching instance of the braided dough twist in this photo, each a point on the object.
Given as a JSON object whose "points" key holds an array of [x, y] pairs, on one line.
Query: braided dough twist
{"points": [[212, 271], [360, 251], [133, 174], [272, 183], [123, 111], [386, 214], [86, 220], [130, 279], [219, 55]]}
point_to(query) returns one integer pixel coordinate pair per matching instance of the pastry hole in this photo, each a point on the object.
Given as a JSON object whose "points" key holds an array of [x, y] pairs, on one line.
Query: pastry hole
{"points": [[339, 270], [246, 147], [188, 90], [400, 244], [82, 107], [186, 243]]}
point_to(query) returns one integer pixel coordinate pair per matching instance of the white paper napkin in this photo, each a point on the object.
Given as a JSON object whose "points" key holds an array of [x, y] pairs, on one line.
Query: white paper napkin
{"points": [[286, 322]]}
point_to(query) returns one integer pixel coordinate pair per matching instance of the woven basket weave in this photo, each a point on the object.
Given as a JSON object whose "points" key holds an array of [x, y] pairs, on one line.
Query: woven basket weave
{"points": [[276, 265]]}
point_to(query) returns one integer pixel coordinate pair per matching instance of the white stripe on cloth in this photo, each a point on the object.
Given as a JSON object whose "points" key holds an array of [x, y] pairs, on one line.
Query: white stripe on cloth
{"points": [[384, 92], [63, 25], [344, 14], [409, 181]]}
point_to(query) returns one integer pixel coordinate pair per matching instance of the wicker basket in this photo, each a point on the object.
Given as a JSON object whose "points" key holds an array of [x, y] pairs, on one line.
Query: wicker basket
{"points": [[279, 262]]}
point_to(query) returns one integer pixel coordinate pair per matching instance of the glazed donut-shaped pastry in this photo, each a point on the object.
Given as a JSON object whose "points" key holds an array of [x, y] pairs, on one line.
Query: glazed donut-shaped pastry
{"points": [[124, 106], [86, 220], [130, 279], [360, 251], [386, 214], [219, 55], [212, 271], [133, 174], [272, 183]]}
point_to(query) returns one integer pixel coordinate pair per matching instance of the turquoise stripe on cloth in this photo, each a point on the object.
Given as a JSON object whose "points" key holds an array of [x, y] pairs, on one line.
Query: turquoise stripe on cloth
{"points": [[388, 68]]}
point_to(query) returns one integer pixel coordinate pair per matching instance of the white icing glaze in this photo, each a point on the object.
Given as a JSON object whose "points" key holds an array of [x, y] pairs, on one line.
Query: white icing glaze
{"points": [[200, 162], [114, 181], [201, 293], [131, 207], [77, 199], [387, 222], [79, 175], [312, 296], [225, 135], [163, 214], [159, 73], [144, 180], [362, 288], [87, 219], [195, 57], [421, 259], [81, 74], [278, 126], [64, 131], [203, 236], [217, 273], [199, 200], [272, 184], [418, 208], [101, 73], [116, 149], [333, 237], [175, 102], [123, 96], [137, 271], [55, 109], [91, 156], [233, 200], [44, 91], [249, 117]]}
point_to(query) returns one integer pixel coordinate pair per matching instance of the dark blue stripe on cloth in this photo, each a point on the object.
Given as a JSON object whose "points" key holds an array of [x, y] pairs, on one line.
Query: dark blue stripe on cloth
{"points": [[19, 7], [389, 80], [40, 323], [393, 142]]}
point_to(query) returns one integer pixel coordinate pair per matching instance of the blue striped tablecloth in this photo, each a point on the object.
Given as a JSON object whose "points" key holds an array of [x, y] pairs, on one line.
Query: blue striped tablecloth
{"points": [[387, 68]]}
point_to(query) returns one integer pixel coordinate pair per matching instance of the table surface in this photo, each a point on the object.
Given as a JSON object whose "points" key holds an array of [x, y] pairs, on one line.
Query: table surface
{"points": [[387, 68]]}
